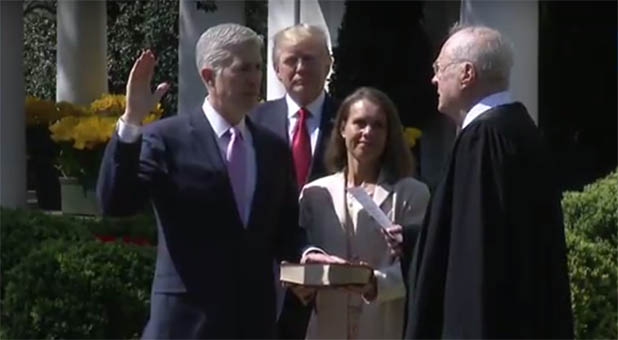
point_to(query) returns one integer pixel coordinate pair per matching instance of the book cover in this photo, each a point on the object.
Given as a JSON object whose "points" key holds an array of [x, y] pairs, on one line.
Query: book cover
{"points": [[325, 275]]}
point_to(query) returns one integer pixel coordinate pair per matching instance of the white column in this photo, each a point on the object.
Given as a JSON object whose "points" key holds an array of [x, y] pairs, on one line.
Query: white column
{"points": [[280, 16], [332, 13], [82, 51], [519, 21], [12, 119], [193, 22]]}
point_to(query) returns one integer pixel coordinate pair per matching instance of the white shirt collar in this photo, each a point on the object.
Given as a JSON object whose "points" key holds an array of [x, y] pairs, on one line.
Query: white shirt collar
{"points": [[493, 100], [218, 123], [315, 107]]}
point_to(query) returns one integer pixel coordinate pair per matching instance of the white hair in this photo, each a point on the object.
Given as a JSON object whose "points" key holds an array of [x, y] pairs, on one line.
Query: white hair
{"points": [[489, 51], [295, 34], [213, 47]]}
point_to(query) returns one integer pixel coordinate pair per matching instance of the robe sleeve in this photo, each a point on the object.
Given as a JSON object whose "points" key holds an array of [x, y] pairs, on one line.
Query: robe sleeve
{"points": [[474, 296]]}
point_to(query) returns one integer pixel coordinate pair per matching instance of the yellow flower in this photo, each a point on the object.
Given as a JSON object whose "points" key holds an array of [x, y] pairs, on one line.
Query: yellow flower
{"points": [[63, 130], [411, 134], [109, 105], [69, 109], [40, 111]]}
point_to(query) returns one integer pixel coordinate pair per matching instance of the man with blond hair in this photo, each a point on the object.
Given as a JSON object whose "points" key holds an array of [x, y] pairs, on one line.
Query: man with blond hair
{"points": [[490, 260], [302, 118], [222, 192]]}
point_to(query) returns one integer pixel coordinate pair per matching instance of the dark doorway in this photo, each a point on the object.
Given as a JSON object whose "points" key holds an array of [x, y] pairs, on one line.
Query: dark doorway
{"points": [[577, 88]]}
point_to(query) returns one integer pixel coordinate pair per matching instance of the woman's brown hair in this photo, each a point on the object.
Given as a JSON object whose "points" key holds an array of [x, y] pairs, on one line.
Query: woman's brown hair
{"points": [[396, 161]]}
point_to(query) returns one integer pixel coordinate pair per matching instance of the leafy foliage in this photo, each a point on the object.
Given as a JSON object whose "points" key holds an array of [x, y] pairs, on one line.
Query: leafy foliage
{"points": [[79, 290], [591, 220], [24, 230], [40, 49], [133, 26]]}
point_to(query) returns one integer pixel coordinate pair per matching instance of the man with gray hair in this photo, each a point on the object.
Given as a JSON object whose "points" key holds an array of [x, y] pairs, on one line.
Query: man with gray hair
{"points": [[222, 191], [490, 261]]}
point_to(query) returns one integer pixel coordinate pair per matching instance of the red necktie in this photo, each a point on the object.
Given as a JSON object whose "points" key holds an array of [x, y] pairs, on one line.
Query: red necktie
{"points": [[301, 148]]}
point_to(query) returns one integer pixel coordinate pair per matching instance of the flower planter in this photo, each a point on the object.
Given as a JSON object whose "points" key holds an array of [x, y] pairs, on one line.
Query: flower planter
{"points": [[75, 200]]}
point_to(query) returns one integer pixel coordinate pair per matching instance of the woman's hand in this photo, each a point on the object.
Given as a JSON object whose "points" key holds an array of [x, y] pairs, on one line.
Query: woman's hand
{"points": [[394, 238]]}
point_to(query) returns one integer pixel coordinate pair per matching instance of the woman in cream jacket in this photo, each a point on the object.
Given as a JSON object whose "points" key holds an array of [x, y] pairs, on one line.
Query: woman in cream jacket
{"points": [[366, 149]]}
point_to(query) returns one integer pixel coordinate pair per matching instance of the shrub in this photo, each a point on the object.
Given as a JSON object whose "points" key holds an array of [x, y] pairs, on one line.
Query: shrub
{"points": [[79, 290], [591, 220], [24, 230], [138, 227], [136, 25]]}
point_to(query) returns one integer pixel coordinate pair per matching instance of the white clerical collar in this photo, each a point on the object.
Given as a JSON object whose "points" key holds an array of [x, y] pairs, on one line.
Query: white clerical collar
{"points": [[315, 107], [493, 100], [218, 123]]}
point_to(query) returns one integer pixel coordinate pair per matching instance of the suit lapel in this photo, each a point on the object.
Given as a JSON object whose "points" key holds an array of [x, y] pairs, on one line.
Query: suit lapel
{"points": [[326, 125], [206, 147], [261, 164], [381, 192], [277, 120], [206, 141], [336, 188]]}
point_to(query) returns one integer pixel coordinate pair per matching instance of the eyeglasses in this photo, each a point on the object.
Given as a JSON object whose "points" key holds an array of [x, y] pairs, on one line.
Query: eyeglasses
{"points": [[437, 68]]}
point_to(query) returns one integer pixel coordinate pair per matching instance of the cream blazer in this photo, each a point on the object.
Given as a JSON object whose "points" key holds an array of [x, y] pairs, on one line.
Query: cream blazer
{"points": [[323, 214]]}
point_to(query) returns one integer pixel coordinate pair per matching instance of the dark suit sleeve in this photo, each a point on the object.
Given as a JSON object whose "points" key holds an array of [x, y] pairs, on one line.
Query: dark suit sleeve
{"points": [[291, 239], [127, 172]]}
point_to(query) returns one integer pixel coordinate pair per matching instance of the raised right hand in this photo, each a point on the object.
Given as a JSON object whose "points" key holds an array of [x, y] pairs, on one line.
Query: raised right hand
{"points": [[140, 98]]}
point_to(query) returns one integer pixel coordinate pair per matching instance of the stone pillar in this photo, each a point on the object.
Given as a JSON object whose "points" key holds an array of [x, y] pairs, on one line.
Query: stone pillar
{"points": [[82, 51], [193, 22], [12, 97], [281, 14], [519, 21]]}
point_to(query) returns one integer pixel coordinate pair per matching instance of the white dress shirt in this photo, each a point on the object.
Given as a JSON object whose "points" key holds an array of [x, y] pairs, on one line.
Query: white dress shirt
{"points": [[491, 101], [312, 121], [129, 133]]}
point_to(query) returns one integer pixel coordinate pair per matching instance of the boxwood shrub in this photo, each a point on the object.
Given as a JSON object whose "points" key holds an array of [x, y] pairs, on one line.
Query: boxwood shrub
{"points": [[591, 220], [85, 289]]}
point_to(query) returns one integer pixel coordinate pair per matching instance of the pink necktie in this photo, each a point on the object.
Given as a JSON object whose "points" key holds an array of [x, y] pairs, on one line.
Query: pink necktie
{"points": [[236, 169], [301, 148]]}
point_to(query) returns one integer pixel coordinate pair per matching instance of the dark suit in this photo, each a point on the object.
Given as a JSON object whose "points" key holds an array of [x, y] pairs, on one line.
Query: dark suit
{"points": [[273, 115], [213, 277]]}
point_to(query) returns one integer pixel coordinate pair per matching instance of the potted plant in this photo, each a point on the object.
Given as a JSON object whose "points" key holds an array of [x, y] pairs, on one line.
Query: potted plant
{"points": [[81, 136], [41, 152]]}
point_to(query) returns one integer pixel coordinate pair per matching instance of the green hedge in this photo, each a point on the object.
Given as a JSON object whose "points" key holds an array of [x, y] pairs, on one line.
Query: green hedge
{"points": [[24, 230], [57, 281], [591, 220], [79, 290]]}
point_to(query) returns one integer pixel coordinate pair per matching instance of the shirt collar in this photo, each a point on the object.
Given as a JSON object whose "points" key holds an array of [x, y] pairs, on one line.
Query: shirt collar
{"points": [[491, 101], [218, 123], [315, 107]]}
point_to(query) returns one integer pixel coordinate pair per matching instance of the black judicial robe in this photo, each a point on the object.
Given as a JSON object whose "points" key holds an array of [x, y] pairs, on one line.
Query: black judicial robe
{"points": [[490, 261]]}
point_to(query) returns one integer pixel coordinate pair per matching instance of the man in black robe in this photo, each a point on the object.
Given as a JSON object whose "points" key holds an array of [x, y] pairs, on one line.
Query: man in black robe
{"points": [[490, 259]]}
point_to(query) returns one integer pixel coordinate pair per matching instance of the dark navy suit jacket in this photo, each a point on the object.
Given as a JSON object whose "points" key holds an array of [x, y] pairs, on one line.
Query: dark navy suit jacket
{"points": [[213, 277], [273, 115]]}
